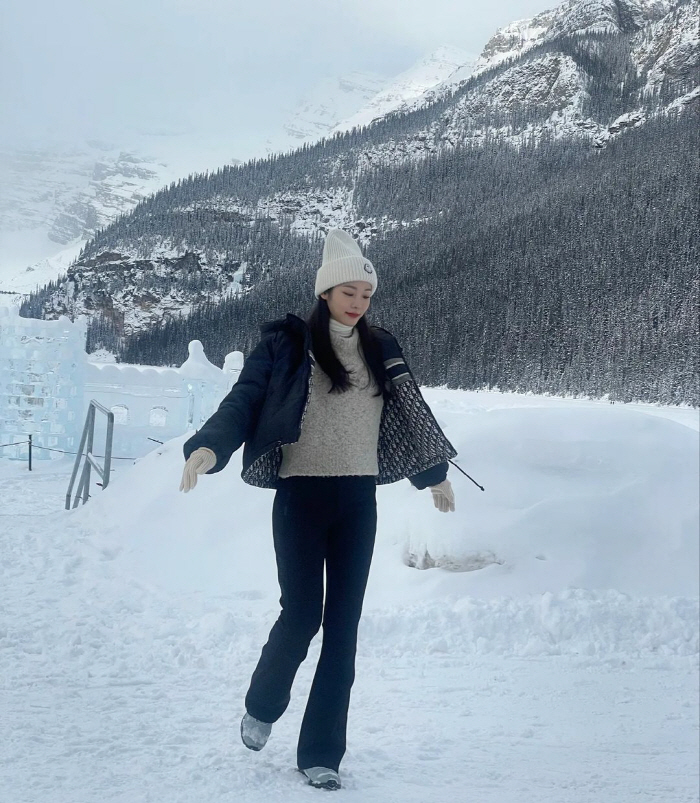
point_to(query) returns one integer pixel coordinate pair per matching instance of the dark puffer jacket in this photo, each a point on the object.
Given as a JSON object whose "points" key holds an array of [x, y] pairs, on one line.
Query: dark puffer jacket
{"points": [[266, 406]]}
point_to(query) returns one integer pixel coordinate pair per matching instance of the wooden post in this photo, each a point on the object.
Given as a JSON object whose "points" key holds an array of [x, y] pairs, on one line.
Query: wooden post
{"points": [[30, 452]]}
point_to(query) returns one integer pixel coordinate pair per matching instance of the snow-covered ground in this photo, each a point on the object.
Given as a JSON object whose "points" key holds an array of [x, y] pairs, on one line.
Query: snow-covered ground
{"points": [[555, 662]]}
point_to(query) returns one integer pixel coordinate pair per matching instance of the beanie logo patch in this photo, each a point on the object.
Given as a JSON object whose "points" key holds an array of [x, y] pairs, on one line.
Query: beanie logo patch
{"points": [[368, 267]]}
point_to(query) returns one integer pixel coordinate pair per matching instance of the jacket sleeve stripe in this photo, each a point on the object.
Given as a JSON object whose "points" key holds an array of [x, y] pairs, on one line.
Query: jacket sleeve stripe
{"points": [[396, 370]]}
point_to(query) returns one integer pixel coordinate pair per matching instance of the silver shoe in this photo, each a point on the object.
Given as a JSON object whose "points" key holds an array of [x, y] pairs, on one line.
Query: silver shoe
{"points": [[322, 777], [254, 733]]}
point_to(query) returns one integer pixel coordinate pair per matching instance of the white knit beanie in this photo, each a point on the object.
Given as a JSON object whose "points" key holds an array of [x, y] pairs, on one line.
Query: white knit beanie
{"points": [[343, 262]]}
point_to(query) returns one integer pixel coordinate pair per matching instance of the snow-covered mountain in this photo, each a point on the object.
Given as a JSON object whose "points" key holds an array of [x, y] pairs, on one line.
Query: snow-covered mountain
{"points": [[402, 93], [318, 113], [55, 196], [531, 80], [665, 46], [571, 17], [670, 47], [604, 16]]}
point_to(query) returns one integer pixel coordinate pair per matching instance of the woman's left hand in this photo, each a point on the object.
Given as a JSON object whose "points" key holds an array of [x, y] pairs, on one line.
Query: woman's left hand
{"points": [[443, 496]]}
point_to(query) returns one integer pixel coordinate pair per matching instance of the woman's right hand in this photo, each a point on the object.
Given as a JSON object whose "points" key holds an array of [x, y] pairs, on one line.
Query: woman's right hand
{"points": [[199, 462]]}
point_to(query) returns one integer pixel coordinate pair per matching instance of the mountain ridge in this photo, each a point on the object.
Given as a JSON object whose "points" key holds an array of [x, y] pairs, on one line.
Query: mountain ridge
{"points": [[242, 232], [545, 92]]}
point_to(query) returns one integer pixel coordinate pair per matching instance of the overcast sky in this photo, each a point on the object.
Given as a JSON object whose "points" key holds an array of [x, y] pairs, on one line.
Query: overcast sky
{"points": [[88, 67]]}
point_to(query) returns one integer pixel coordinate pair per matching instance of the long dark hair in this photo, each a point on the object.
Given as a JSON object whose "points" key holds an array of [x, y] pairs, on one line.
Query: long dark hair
{"points": [[318, 322]]}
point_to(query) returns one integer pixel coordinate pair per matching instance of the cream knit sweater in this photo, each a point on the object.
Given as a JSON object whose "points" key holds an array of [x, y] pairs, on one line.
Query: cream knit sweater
{"points": [[340, 430]]}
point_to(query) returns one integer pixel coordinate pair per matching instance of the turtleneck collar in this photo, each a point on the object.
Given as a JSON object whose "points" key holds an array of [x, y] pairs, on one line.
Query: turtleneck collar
{"points": [[340, 329]]}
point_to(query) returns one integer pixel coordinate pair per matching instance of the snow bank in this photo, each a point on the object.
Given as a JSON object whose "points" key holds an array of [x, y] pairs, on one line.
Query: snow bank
{"points": [[561, 666], [585, 541]]}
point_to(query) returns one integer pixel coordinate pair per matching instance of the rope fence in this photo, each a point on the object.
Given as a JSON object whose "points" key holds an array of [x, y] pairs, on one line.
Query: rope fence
{"points": [[62, 451], [33, 446], [46, 449]]}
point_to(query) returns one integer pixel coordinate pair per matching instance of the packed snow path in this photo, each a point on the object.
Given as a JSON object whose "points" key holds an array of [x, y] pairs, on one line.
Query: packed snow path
{"points": [[128, 636]]}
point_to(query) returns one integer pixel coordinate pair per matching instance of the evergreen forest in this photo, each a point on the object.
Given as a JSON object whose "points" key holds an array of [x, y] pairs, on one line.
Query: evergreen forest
{"points": [[550, 268], [537, 263]]}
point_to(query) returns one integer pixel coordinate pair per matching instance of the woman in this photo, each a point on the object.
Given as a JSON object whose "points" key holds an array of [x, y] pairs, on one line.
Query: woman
{"points": [[327, 409]]}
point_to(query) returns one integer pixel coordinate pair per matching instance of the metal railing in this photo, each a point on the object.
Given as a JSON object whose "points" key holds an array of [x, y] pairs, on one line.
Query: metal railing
{"points": [[86, 443]]}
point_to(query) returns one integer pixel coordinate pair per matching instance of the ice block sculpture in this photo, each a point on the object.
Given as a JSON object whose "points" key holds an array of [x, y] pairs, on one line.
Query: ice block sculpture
{"points": [[154, 403], [204, 381], [42, 369], [149, 404], [233, 365], [47, 382]]}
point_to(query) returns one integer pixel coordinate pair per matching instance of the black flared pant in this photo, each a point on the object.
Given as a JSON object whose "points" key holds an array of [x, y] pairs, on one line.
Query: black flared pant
{"points": [[317, 522]]}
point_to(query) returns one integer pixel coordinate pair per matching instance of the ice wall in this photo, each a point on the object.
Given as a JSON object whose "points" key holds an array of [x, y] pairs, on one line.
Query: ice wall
{"points": [[156, 404], [42, 372], [47, 383]]}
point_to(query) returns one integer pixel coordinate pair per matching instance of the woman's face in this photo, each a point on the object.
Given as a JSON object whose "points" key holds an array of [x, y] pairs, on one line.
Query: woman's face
{"points": [[348, 302]]}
